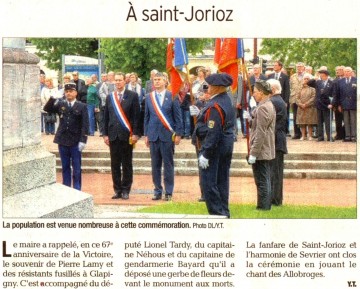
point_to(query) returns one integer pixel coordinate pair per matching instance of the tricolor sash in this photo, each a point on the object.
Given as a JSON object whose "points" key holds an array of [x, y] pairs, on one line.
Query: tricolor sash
{"points": [[120, 112], [159, 112]]}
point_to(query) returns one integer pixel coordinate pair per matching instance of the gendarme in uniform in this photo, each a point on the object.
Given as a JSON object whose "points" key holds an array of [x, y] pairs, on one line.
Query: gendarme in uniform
{"points": [[71, 135], [214, 129]]}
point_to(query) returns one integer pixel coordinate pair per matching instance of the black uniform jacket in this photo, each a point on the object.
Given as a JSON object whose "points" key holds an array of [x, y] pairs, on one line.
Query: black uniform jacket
{"points": [[74, 121]]}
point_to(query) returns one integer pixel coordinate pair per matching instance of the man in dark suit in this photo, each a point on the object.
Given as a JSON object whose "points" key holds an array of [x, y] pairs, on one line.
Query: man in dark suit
{"points": [[277, 164], [324, 90], [121, 132], [162, 129], [80, 87], [340, 130], [71, 135], [285, 87], [345, 99]]}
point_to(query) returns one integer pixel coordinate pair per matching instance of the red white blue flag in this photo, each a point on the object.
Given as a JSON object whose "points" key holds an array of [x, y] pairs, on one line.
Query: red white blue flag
{"points": [[176, 61], [228, 51]]}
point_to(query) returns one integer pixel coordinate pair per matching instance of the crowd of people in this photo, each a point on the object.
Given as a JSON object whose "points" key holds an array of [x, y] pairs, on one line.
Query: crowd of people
{"points": [[206, 111]]}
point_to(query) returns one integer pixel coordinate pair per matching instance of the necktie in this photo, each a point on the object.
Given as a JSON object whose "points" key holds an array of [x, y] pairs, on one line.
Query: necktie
{"points": [[69, 103], [277, 76], [120, 97], [159, 97]]}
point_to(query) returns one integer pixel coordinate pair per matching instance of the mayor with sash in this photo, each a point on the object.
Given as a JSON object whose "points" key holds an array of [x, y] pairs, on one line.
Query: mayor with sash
{"points": [[121, 132], [162, 130]]}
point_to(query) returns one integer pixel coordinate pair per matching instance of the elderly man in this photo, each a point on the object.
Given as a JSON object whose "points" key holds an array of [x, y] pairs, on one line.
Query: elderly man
{"points": [[339, 118], [324, 92], [346, 98], [262, 143], [149, 85], [80, 87], [296, 84], [214, 130], [285, 87], [256, 75], [277, 164]]}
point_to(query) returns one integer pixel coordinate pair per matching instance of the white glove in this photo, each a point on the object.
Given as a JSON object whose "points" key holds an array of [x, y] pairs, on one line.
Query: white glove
{"points": [[252, 102], [251, 160], [194, 110], [246, 115], [203, 162], [81, 146]]}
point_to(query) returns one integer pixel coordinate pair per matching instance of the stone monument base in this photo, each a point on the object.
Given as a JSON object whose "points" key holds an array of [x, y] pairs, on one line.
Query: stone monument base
{"points": [[50, 201]]}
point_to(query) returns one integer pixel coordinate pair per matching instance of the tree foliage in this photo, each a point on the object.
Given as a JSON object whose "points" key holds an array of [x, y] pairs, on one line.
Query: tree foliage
{"points": [[52, 49], [142, 55], [312, 51]]}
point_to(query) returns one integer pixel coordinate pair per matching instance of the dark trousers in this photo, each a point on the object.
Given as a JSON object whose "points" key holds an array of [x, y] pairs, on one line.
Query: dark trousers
{"points": [[262, 176], [121, 153], [339, 118], [350, 124], [288, 118], [323, 118], [162, 153], [71, 157], [215, 181], [200, 182], [277, 177], [101, 120], [297, 132]]}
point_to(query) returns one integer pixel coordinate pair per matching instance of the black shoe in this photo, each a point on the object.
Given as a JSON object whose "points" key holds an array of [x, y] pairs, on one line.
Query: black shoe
{"points": [[330, 139], [346, 139], [296, 137], [320, 139], [125, 196], [188, 137], [202, 199], [116, 196], [156, 197], [168, 197]]}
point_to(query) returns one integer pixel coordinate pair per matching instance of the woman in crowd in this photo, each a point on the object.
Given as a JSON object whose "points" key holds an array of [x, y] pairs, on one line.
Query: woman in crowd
{"points": [[92, 102], [306, 114], [50, 118]]}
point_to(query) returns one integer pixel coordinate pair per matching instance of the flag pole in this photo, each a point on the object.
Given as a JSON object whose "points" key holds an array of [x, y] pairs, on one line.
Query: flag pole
{"points": [[246, 77]]}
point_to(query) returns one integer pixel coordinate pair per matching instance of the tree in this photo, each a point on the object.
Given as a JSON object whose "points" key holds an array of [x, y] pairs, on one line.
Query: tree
{"points": [[141, 55], [52, 49], [312, 51]]}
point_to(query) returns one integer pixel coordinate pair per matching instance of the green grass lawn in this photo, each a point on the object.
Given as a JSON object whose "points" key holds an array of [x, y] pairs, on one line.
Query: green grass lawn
{"points": [[248, 211]]}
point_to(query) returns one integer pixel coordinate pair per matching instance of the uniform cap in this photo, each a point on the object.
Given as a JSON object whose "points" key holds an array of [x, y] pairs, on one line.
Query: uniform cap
{"points": [[70, 86], [219, 79]]}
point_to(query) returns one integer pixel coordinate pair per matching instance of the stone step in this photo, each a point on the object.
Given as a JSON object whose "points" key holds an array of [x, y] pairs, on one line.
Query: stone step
{"points": [[236, 163], [50, 201], [310, 156], [238, 172]]}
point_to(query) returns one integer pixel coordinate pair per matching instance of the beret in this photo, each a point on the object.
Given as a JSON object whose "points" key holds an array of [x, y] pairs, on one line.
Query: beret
{"points": [[263, 86], [70, 86], [324, 71], [219, 79]]}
